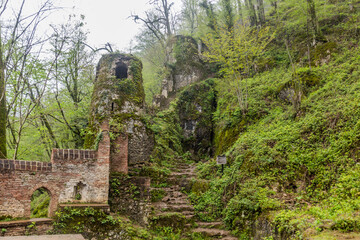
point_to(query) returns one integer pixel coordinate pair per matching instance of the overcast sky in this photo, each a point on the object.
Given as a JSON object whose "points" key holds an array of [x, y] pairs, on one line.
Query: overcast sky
{"points": [[107, 20]]}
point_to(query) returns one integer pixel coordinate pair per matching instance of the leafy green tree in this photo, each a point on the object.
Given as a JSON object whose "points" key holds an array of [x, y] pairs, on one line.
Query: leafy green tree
{"points": [[19, 46], [190, 16], [211, 15], [237, 52], [73, 75], [228, 14]]}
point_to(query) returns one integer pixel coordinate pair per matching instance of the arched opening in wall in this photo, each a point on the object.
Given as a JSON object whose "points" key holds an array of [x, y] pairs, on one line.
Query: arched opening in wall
{"points": [[40, 201], [121, 70], [78, 190]]}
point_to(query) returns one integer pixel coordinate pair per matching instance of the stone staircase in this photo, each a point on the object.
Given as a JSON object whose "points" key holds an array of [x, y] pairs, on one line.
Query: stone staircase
{"points": [[176, 202]]}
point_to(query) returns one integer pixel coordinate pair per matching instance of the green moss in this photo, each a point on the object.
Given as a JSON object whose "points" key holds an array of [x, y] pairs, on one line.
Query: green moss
{"points": [[168, 137], [197, 103], [199, 187], [157, 174], [322, 51], [157, 195], [95, 224], [173, 220]]}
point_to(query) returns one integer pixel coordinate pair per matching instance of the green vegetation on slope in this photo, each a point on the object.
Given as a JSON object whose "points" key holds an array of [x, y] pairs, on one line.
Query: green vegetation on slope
{"points": [[301, 164]]}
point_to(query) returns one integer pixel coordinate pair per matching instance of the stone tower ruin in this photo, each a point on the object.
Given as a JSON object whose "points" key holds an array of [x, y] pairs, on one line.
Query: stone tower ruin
{"points": [[118, 99]]}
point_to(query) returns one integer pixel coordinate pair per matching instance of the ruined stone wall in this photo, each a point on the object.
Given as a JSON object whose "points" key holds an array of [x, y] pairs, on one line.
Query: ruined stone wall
{"points": [[196, 105], [141, 144], [130, 196], [71, 172], [188, 67], [26, 227]]}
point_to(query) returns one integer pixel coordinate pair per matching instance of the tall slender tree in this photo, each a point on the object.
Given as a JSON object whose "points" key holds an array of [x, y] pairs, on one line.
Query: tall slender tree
{"points": [[252, 12], [190, 15], [3, 152], [228, 15], [17, 37], [313, 21], [261, 11]]}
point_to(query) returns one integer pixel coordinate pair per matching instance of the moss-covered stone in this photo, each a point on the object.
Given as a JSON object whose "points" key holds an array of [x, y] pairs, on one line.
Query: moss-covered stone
{"points": [[157, 194], [199, 186], [173, 220], [195, 106], [322, 53], [116, 98], [96, 224]]}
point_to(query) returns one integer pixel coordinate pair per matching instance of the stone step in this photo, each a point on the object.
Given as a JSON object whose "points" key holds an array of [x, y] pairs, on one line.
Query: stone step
{"points": [[229, 238], [182, 174], [169, 198], [217, 225], [175, 194], [187, 215], [177, 202], [178, 208], [187, 212], [212, 232]]}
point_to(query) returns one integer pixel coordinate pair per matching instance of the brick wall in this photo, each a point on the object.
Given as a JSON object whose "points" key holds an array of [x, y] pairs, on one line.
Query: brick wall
{"points": [[25, 165], [119, 154], [26, 227], [68, 168], [72, 154]]}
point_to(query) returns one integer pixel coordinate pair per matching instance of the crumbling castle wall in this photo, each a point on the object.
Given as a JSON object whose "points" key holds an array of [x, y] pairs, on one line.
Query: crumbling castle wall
{"points": [[72, 176]]}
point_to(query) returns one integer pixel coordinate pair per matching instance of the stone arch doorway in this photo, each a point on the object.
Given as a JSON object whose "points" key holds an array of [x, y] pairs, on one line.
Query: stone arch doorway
{"points": [[40, 203]]}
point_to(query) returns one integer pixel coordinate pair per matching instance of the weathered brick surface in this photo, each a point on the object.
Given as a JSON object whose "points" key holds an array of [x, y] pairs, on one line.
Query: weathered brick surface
{"points": [[26, 227], [25, 165], [68, 168], [119, 154]]}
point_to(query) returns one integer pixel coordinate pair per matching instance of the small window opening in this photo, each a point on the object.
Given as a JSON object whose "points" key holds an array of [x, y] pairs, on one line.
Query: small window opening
{"points": [[78, 190], [121, 70], [40, 201]]}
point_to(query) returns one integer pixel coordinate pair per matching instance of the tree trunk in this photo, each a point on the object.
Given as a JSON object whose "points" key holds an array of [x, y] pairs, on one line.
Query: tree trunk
{"points": [[240, 13], [261, 12], [252, 12], [313, 19], [229, 18], [3, 153]]}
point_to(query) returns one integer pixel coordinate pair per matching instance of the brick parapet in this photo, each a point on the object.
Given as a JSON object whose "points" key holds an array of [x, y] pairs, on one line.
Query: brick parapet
{"points": [[59, 155], [21, 165]]}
